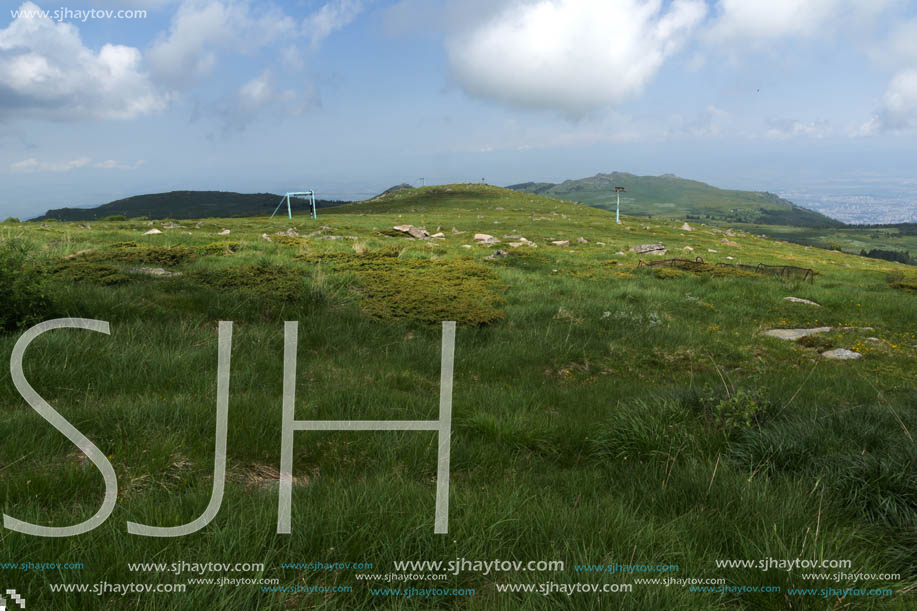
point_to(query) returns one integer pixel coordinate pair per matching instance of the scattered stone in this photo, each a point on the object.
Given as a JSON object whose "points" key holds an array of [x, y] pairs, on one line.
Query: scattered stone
{"points": [[498, 254], [456, 231], [499, 208], [841, 354], [199, 225], [621, 252], [170, 225], [730, 258], [726, 242], [151, 271], [152, 232], [337, 237], [688, 249], [730, 233], [80, 253], [710, 250], [582, 240], [513, 236], [466, 246], [800, 300], [265, 237], [439, 236], [561, 242], [224, 232], [600, 243], [653, 248], [414, 232], [485, 239], [794, 334], [687, 227], [289, 232]]}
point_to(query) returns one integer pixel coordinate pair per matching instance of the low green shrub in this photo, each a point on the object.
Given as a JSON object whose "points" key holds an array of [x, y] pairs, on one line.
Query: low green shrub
{"points": [[276, 282], [94, 273], [219, 248], [24, 298]]}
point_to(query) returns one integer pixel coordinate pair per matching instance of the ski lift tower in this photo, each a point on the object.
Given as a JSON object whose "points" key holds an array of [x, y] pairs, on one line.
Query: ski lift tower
{"points": [[619, 191], [309, 196]]}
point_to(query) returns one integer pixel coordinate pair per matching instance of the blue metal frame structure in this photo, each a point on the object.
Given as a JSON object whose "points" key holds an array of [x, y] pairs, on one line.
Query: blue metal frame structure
{"points": [[307, 195]]}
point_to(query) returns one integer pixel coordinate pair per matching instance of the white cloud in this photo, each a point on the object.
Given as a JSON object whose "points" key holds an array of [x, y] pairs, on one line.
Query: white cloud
{"points": [[750, 21], [898, 110], [111, 164], [570, 55], [333, 16], [785, 129], [47, 72], [201, 29], [33, 165]]}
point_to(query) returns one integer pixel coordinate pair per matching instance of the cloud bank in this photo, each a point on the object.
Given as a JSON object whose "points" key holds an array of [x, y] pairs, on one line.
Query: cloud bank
{"points": [[46, 72], [570, 55]]}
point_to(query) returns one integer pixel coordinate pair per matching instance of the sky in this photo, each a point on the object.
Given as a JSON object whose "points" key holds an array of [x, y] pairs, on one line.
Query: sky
{"points": [[349, 97]]}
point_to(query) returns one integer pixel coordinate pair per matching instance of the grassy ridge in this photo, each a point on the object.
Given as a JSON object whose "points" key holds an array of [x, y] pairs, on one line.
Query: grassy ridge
{"points": [[609, 414], [181, 205], [669, 196]]}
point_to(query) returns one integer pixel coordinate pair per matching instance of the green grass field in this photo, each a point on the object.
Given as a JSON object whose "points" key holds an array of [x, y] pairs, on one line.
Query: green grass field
{"points": [[602, 412]]}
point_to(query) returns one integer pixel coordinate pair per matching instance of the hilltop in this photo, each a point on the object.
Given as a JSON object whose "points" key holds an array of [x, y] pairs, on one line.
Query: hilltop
{"points": [[179, 205], [669, 196]]}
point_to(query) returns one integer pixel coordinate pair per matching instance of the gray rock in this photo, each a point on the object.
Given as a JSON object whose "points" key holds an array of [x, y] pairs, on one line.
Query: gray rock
{"points": [[841, 354], [485, 239], [151, 271], [794, 334], [686, 227], [498, 254], [651, 248], [152, 232], [800, 300], [561, 242], [289, 232], [414, 232]]}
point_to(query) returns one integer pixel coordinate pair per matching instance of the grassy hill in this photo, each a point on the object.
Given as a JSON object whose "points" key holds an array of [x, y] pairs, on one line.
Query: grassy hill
{"points": [[604, 412], [180, 205], [669, 196]]}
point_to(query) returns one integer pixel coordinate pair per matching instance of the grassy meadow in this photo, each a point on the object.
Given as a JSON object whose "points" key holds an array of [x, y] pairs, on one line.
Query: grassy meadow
{"points": [[602, 412]]}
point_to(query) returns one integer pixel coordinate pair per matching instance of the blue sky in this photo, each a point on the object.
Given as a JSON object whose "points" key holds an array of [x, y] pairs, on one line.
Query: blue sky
{"points": [[351, 96]]}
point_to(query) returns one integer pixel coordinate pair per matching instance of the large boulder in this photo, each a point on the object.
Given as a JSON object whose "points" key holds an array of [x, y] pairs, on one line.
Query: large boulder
{"points": [[653, 248], [414, 232]]}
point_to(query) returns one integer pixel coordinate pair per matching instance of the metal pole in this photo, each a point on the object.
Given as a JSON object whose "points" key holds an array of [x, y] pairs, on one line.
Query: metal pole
{"points": [[289, 208], [314, 209], [618, 209]]}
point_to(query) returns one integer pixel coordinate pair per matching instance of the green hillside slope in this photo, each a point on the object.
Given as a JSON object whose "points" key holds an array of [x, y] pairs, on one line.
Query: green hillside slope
{"points": [[604, 413], [179, 205], [669, 196]]}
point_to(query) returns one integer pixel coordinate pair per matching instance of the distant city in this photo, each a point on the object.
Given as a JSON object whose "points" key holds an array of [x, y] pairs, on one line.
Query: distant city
{"points": [[875, 204]]}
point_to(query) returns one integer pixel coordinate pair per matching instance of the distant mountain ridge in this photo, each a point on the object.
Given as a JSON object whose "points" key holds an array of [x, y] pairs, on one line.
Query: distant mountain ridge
{"points": [[181, 205], [670, 196]]}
